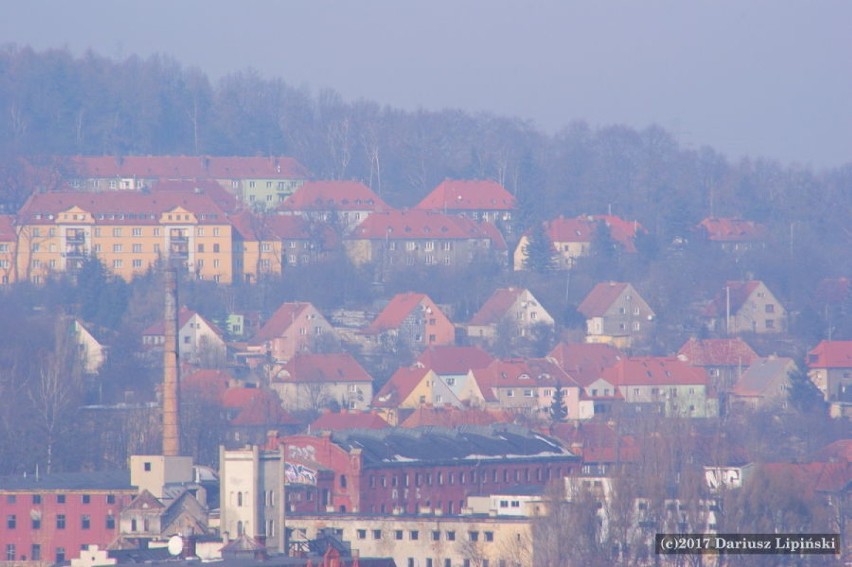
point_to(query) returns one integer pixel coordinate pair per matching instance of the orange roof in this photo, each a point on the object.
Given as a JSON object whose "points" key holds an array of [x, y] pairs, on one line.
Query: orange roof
{"points": [[450, 416], [207, 384], [256, 407], [7, 228], [831, 354], [569, 230], [732, 230], [585, 361], [395, 312], [814, 477], [497, 306], [425, 225], [839, 451], [344, 420], [601, 298], [444, 360], [400, 385], [468, 195], [119, 207], [279, 322], [622, 231], [717, 352], [226, 201], [329, 367], [597, 442], [524, 372], [189, 167], [653, 371], [334, 195]]}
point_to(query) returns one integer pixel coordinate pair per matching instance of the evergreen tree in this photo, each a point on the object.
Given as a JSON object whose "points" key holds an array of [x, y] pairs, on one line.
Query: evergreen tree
{"points": [[539, 252], [558, 410]]}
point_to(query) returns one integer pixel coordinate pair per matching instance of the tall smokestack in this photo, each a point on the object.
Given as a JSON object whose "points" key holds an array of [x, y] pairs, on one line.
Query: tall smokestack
{"points": [[171, 400]]}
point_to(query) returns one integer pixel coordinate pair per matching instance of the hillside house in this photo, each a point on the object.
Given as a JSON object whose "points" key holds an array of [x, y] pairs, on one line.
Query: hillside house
{"points": [[474, 199], [311, 381], [294, 327], [341, 204], [616, 314], [200, 342], [412, 321], [746, 307], [514, 310]]}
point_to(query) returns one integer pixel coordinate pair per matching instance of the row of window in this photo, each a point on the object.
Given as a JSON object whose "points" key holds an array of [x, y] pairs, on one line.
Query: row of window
{"points": [[118, 232], [61, 521], [436, 535], [60, 498], [427, 478]]}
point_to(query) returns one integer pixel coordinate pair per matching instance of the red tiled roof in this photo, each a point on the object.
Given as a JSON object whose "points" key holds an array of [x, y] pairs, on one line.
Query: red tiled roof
{"points": [[7, 228], [226, 201], [400, 385], [208, 384], [602, 296], [189, 167], [570, 230], [585, 361], [444, 360], [125, 207], [652, 371], [468, 195], [622, 231], [333, 195], [732, 230], [395, 312], [737, 292], [839, 451], [717, 352], [279, 322], [341, 421], [496, 306], [831, 354], [526, 372], [425, 225], [597, 442], [814, 477], [256, 407], [450, 416], [329, 367]]}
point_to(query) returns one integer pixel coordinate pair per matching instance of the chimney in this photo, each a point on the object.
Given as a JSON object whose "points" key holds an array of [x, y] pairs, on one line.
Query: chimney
{"points": [[171, 414]]}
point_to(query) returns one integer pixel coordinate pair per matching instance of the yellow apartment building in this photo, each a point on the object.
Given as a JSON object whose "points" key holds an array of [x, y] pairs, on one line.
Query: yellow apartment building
{"points": [[8, 249], [129, 232]]}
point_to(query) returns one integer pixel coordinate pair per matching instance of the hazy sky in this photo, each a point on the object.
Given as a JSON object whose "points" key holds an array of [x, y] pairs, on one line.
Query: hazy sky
{"points": [[749, 77]]}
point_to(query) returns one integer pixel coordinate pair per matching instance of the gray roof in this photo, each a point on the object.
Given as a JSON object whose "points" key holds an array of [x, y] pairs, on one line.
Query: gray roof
{"points": [[99, 480], [400, 446]]}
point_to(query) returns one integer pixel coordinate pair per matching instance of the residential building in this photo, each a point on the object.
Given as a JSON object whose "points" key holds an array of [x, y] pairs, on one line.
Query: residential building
{"points": [[8, 250], [180, 512], [725, 360], [732, 235], [310, 381], [251, 495], [765, 383], [415, 386], [528, 386], [129, 232], [411, 321], [585, 363], [341, 204], [571, 239], [512, 310], [746, 307], [428, 470], [616, 314], [663, 384], [402, 239], [294, 327], [452, 366], [200, 342], [48, 518], [830, 369], [475, 199]]}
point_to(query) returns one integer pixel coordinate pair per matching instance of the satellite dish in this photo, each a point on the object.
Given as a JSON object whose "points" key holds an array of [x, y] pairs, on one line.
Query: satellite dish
{"points": [[175, 545]]}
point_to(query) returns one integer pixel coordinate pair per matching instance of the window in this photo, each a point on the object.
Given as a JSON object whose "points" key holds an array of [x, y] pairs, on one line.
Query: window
{"points": [[35, 552], [436, 535], [414, 535], [85, 521], [137, 263], [201, 249], [110, 522], [60, 521], [377, 534], [60, 554], [473, 536], [11, 521], [10, 552], [87, 498], [215, 248], [489, 536], [36, 498], [116, 232], [770, 323], [361, 534], [528, 393], [510, 393], [117, 263], [397, 534], [60, 499], [451, 535], [36, 521]]}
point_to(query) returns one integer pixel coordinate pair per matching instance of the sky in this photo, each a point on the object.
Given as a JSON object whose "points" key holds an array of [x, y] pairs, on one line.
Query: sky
{"points": [[757, 78]]}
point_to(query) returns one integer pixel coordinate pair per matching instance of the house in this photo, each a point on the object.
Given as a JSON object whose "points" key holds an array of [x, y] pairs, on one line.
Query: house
{"points": [[766, 382], [253, 413], [514, 310], [402, 239], [412, 321], [732, 235], [623, 232], [585, 363], [475, 199], [179, 512], [830, 369], [294, 327], [452, 365], [344, 204], [571, 239], [258, 182], [8, 250], [129, 232], [616, 314], [200, 342], [310, 381], [528, 386], [663, 384], [725, 360], [746, 307], [92, 353], [428, 470], [416, 386], [50, 517], [225, 200]]}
